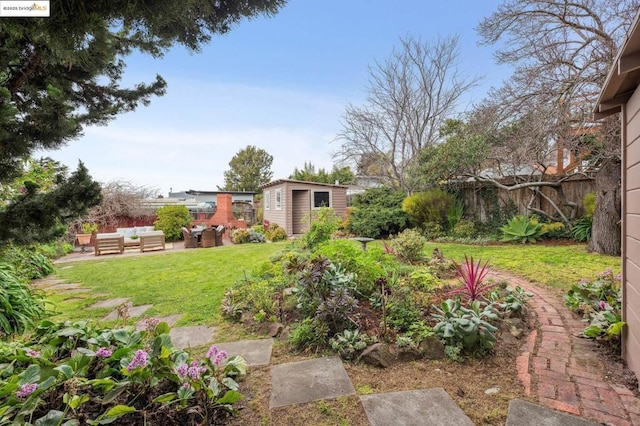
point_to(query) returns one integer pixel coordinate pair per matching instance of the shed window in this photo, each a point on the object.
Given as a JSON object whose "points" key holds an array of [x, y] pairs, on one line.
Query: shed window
{"points": [[278, 199], [267, 200], [321, 199]]}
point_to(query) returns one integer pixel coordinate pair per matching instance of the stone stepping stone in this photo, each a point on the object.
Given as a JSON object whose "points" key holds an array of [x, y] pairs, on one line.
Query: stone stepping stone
{"points": [[190, 337], [134, 312], [76, 290], [306, 381], [255, 352], [109, 303], [170, 320], [522, 413], [414, 408], [64, 286], [47, 282]]}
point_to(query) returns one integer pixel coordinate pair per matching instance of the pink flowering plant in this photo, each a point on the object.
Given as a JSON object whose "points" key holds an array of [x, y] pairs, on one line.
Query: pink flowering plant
{"points": [[71, 371], [599, 301]]}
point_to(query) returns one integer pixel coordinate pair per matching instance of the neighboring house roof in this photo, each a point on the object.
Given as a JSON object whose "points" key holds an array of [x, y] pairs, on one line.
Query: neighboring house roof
{"points": [[279, 181], [196, 192], [623, 76]]}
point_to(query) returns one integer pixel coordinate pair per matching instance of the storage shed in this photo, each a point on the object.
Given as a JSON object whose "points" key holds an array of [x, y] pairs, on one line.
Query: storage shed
{"points": [[620, 94], [289, 203]]}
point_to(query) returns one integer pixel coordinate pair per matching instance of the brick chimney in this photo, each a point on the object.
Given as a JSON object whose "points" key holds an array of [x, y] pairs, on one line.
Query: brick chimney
{"points": [[224, 211]]}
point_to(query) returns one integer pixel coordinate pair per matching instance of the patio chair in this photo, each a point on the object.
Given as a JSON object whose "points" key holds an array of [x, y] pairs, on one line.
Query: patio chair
{"points": [[208, 238], [190, 240]]}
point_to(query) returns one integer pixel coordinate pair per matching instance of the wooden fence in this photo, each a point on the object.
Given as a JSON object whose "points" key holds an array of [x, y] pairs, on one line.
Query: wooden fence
{"points": [[481, 199]]}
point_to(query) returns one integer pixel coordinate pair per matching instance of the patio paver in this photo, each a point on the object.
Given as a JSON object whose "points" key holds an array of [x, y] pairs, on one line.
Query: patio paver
{"points": [[522, 413], [134, 312], [414, 408], [109, 303], [306, 381], [185, 337], [63, 286], [255, 352]]}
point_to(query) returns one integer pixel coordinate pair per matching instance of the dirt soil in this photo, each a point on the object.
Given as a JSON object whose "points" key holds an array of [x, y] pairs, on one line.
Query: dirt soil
{"points": [[467, 383]]}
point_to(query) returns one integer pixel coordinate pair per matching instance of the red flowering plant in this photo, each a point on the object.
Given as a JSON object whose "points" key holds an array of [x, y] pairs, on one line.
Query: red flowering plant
{"points": [[472, 275]]}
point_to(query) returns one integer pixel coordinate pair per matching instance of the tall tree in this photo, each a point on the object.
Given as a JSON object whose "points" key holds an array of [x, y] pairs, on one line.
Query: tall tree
{"points": [[308, 173], [37, 205], [249, 168], [409, 97], [62, 73], [562, 51]]}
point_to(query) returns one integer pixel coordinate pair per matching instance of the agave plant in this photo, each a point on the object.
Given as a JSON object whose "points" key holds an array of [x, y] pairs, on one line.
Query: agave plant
{"points": [[522, 229], [472, 276]]}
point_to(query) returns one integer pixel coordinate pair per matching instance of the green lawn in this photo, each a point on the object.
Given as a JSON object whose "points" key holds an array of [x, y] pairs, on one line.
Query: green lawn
{"points": [[190, 282], [558, 267], [193, 282]]}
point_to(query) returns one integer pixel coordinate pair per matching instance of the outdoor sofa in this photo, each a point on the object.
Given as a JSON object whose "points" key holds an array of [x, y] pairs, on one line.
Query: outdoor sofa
{"points": [[144, 237]]}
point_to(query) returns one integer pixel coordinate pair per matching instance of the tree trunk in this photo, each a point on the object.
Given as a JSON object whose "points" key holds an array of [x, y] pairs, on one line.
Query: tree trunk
{"points": [[605, 232]]}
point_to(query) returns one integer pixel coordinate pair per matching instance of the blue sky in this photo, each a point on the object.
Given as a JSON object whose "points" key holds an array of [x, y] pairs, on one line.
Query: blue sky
{"points": [[280, 83]]}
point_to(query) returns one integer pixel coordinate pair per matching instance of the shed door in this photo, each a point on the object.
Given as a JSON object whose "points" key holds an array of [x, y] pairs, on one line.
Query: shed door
{"points": [[301, 206]]}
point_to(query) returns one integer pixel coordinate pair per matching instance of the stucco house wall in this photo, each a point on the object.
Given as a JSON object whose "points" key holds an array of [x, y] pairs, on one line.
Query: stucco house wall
{"points": [[289, 203]]}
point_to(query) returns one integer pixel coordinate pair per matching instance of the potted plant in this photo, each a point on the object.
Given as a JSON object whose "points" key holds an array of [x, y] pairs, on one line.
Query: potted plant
{"points": [[84, 238]]}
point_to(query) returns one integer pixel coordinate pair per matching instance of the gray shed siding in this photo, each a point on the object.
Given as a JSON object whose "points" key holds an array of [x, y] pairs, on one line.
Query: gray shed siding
{"points": [[297, 203], [631, 230]]}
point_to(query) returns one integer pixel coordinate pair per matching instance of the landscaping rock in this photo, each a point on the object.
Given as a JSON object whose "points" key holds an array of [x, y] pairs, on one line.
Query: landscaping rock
{"points": [[377, 355], [275, 328], [432, 348], [508, 338], [284, 334], [409, 354]]}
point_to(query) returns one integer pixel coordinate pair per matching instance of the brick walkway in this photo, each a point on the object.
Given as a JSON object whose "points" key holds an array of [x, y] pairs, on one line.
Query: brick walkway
{"points": [[564, 371]]}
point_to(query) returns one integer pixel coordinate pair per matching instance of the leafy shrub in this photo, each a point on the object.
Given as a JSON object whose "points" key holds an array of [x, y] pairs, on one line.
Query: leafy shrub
{"points": [[522, 229], [600, 303], [29, 262], [429, 207], [463, 229], [349, 343], [242, 236], [454, 214], [19, 305], [378, 213], [581, 229], [589, 204], [259, 228], [106, 374], [366, 266], [324, 223], [276, 233], [55, 250], [510, 303], [171, 219], [553, 230], [423, 279], [323, 291], [467, 328], [308, 334], [409, 246], [472, 277]]}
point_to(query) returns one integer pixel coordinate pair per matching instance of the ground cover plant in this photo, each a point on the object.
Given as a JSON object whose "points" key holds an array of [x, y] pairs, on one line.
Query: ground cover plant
{"points": [[599, 301], [78, 373]]}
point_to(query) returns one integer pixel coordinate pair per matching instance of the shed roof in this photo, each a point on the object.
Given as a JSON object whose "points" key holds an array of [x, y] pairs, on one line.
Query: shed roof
{"points": [[624, 75], [279, 181]]}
